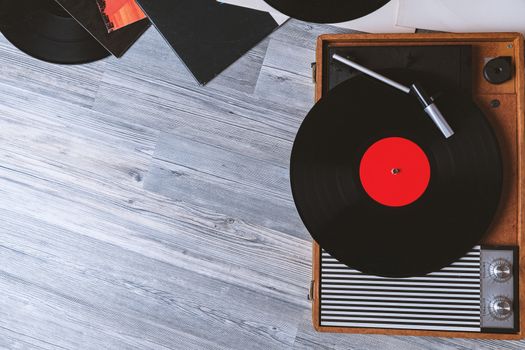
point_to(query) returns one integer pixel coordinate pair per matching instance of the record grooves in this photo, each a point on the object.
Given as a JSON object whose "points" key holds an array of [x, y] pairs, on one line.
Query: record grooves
{"points": [[459, 194], [42, 29]]}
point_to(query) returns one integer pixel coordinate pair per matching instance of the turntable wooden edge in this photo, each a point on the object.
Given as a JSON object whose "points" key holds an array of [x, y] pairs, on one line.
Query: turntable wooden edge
{"points": [[508, 123]]}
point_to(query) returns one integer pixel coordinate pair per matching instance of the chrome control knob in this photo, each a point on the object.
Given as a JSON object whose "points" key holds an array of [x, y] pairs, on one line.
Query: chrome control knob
{"points": [[500, 308], [500, 270]]}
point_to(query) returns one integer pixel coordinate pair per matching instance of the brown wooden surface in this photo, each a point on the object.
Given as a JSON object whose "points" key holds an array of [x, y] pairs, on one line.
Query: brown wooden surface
{"points": [[508, 123]]}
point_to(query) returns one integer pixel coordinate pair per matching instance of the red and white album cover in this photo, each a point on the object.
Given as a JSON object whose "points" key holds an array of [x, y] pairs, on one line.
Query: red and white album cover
{"points": [[119, 13]]}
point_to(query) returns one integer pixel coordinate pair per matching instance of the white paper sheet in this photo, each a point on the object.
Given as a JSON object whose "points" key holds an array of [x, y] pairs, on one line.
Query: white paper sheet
{"points": [[463, 15], [380, 21]]}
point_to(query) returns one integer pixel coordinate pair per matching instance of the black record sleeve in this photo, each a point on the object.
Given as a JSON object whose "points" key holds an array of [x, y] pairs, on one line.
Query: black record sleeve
{"points": [[208, 36]]}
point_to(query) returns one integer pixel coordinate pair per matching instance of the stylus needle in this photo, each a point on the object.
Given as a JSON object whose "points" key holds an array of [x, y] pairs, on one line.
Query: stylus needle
{"points": [[415, 89]]}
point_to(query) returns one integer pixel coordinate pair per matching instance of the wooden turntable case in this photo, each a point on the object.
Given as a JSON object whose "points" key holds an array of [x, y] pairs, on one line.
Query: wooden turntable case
{"points": [[508, 123]]}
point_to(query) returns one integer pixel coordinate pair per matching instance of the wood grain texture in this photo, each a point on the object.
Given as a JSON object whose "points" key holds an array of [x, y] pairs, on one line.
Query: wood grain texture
{"points": [[141, 211]]}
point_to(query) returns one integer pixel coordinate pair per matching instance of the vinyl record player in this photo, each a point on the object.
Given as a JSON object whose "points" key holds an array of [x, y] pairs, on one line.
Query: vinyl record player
{"points": [[481, 292]]}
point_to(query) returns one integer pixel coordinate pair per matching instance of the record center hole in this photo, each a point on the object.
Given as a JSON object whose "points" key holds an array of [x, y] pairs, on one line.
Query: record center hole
{"points": [[395, 171]]}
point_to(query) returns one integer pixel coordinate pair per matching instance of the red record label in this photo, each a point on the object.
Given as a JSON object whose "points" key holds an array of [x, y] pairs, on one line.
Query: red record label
{"points": [[394, 171]]}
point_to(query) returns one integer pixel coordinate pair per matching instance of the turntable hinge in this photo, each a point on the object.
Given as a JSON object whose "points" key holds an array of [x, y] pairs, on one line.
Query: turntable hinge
{"points": [[311, 295], [314, 72]]}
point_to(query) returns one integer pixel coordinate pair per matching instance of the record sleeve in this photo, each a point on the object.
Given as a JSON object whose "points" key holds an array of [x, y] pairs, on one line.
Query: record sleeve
{"points": [[119, 13], [208, 36], [86, 12]]}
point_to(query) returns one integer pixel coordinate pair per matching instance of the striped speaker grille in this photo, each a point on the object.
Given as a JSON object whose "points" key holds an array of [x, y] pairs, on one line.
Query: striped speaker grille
{"points": [[447, 300]]}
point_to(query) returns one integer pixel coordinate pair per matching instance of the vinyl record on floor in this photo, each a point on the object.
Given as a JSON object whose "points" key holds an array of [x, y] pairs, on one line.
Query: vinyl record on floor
{"points": [[42, 29], [379, 187], [327, 11]]}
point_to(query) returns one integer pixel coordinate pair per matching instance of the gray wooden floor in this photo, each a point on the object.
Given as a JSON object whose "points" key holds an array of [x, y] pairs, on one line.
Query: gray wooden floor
{"points": [[141, 211]]}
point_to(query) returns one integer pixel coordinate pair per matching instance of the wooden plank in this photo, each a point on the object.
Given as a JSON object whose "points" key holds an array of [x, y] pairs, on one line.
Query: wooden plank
{"points": [[231, 183], [88, 254], [90, 291], [165, 105], [289, 86], [75, 84]]}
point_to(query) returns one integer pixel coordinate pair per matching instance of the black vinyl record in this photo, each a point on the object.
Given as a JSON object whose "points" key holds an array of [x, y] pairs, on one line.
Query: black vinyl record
{"points": [[326, 11], [42, 29], [348, 147]]}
